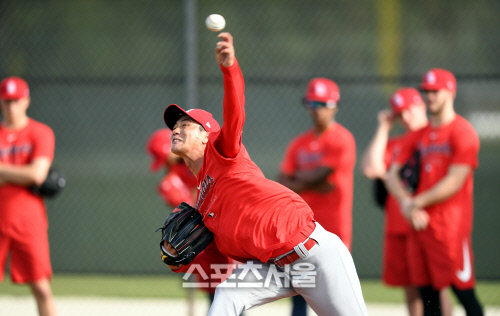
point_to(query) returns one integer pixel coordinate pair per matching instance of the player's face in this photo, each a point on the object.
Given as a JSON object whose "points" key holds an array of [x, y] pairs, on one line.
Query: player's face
{"points": [[187, 136], [322, 116], [413, 117], [14, 110], [436, 100]]}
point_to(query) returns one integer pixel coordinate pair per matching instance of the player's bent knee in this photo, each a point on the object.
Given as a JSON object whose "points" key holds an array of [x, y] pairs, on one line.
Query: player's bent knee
{"points": [[226, 294], [227, 301]]}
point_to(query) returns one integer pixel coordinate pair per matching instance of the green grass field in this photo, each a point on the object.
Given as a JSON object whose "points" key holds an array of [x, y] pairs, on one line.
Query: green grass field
{"points": [[170, 286]]}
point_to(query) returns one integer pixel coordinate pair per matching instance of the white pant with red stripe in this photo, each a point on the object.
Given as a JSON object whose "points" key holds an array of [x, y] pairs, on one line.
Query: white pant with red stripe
{"points": [[326, 277]]}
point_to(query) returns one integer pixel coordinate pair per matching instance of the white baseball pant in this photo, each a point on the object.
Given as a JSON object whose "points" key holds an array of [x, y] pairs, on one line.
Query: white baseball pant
{"points": [[325, 276]]}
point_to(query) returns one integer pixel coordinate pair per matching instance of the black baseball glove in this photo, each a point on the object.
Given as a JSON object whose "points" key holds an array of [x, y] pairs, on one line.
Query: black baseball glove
{"points": [[409, 175], [379, 192], [52, 185], [185, 231], [410, 172]]}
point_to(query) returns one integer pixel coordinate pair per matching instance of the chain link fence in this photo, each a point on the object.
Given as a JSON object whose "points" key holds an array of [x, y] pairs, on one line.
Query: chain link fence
{"points": [[102, 72]]}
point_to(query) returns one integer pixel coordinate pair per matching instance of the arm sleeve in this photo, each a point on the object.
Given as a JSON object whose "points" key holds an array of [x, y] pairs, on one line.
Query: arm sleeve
{"points": [[229, 143], [392, 145], [408, 145], [44, 143], [465, 147], [288, 165]]}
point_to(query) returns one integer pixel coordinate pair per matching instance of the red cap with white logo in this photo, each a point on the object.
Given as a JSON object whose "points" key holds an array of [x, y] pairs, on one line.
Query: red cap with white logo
{"points": [[174, 112], [437, 79], [322, 90], [404, 98], [13, 88]]}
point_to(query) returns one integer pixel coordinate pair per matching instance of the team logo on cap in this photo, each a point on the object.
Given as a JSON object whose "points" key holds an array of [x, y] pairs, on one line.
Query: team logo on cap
{"points": [[320, 89], [398, 100], [11, 87], [208, 124], [430, 77]]}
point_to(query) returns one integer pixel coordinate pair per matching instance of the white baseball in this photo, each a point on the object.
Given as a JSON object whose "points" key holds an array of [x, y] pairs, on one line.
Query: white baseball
{"points": [[215, 22]]}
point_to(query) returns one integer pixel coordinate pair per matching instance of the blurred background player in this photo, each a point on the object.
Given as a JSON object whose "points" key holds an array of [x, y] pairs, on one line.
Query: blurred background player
{"points": [[441, 210], [26, 153], [409, 108], [179, 184], [318, 165]]}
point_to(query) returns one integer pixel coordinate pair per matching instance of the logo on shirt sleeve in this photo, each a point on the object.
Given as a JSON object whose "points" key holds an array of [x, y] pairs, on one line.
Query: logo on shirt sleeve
{"points": [[206, 186]]}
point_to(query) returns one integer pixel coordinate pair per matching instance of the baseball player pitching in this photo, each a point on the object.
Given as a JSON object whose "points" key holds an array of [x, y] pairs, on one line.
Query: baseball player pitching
{"points": [[255, 220]]}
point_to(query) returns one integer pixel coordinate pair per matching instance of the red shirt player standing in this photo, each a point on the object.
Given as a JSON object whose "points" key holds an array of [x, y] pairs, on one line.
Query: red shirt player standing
{"points": [[441, 210], [319, 165], [409, 108], [26, 153]]}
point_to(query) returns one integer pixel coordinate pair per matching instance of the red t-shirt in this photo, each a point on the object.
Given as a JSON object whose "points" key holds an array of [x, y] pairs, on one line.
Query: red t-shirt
{"points": [[395, 223], [20, 209], [178, 185], [335, 148], [250, 216], [181, 170], [440, 147]]}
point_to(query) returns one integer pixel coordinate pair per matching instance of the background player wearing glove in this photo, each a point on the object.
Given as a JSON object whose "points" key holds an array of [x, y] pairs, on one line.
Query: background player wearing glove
{"points": [[178, 185], [256, 220], [409, 108], [319, 165], [442, 208], [54, 183], [26, 153]]}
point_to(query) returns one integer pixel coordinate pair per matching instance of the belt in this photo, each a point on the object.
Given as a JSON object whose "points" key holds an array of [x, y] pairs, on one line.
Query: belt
{"points": [[292, 256]]}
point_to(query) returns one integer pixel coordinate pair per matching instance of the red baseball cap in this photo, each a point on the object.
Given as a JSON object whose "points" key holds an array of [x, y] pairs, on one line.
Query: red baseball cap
{"points": [[12, 88], [158, 147], [437, 79], [403, 98], [174, 112], [322, 90]]}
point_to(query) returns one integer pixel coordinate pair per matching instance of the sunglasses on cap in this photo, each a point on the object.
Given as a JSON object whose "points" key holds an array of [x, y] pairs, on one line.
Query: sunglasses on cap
{"points": [[310, 104]]}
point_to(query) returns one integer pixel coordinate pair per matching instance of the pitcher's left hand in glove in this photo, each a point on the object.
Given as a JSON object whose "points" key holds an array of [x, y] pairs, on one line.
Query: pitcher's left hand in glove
{"points": [[186, 233]]}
